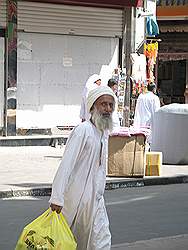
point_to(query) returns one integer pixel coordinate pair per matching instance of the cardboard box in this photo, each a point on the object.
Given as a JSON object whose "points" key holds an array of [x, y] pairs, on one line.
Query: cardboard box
{"points": [[153, 163], [126, 156]]}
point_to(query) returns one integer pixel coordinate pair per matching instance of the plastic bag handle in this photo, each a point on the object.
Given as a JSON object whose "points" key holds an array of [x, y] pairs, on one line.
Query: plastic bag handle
{"points": [[60, 219]]}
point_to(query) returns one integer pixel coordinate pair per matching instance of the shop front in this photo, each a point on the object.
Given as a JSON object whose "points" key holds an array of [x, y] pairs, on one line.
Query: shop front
{"points": [[56, 54], [59, 45], [172, 67], [173, 51]]}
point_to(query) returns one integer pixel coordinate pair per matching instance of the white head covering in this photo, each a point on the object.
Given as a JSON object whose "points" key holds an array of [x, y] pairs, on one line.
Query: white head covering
{"points": [[94, 94], [90, 84], [91, 81]]}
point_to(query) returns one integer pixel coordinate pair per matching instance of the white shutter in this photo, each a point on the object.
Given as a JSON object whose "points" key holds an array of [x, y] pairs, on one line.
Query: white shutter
{"points": [[68, 19], [2, 13]]}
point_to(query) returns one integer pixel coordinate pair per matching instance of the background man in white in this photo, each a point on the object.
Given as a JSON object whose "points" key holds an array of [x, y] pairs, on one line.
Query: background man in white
{"points": [[113, 84], [79, 184], [93, 82], [147, 104]]}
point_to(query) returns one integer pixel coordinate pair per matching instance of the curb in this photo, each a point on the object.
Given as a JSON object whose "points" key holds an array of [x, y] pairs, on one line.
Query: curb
{"points": [[110, 185], [166, 180], [44, 191], [42, 140]]}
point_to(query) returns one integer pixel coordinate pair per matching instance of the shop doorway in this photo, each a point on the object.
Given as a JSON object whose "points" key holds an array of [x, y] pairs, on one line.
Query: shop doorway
{"points": [[172, 81]]}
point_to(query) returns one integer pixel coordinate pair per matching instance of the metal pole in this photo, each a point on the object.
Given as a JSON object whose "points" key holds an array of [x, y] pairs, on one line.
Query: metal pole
{"points": [[129, 39], [5, 84]]}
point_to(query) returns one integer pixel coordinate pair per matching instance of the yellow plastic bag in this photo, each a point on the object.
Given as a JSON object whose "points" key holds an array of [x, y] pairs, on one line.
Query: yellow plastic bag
{"points": [[49, 231]]}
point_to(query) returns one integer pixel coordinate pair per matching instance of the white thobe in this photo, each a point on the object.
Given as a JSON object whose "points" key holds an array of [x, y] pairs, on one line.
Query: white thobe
{"points": [[79, 186], [147, 104]]}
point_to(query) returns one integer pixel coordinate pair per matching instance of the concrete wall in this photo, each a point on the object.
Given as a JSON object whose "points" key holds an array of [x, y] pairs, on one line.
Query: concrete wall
{"points": [[52, 71]]}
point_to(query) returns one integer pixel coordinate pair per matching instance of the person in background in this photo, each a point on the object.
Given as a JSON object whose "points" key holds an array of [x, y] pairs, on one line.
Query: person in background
{"points": [[113, 84], [159, 94], [160, 97], [147, 104], [79, 184], [93, 82]]}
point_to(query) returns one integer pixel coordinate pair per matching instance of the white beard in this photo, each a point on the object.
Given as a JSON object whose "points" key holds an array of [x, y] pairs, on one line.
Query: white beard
{"points": [[102, 122]]}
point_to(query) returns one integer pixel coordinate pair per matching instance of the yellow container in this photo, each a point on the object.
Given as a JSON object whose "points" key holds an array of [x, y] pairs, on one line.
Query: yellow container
{"points": [[153, 163]]}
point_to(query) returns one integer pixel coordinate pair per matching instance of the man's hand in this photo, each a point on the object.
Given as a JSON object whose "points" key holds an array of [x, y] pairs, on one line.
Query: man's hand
{"points": [[56, 208]]}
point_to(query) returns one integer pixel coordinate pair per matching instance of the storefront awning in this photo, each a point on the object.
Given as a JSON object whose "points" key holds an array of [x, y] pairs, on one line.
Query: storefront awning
{"points": [[173, 46], [99, 3], [173, 12], [174, 28], [173, 56]]}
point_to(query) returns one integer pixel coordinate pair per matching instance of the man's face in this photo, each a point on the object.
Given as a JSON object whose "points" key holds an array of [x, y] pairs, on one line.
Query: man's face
{"points": [[115, 88], [105, 105], [102, 112], [98, 82]]}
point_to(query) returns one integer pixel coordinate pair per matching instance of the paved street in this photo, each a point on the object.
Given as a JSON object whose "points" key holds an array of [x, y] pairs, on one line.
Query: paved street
{"points": [[147, 218], [33, 167]]}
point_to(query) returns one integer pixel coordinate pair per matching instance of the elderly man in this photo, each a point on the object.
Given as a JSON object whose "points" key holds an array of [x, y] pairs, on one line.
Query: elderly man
{"points": [[79, 184]]}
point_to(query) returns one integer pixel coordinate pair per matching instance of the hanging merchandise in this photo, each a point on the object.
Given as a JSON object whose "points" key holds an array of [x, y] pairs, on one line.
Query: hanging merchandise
{"points": [[120, 76], [138, 67], [137, 88], [138, 75], [152, 28], [151, 51], [116, 74]]}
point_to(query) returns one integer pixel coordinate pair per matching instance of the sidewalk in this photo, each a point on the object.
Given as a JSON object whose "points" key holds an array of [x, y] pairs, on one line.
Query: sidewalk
{"points": [[171, 242], [29, 170]]}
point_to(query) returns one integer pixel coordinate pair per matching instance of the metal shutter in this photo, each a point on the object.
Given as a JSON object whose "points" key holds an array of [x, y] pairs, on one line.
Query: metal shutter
{"points": [[3, 13], [68, 19]]}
